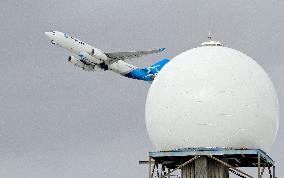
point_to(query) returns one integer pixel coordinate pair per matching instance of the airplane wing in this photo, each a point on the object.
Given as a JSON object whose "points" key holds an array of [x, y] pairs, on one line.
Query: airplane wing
{"points": [[116, 56]]}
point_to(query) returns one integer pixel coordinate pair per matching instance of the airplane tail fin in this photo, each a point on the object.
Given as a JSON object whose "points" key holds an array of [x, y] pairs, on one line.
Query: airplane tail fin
{"points": [[156, 67]]}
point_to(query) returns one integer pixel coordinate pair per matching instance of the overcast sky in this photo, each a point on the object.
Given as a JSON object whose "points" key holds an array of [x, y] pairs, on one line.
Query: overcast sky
{"points": [[60, 122]]}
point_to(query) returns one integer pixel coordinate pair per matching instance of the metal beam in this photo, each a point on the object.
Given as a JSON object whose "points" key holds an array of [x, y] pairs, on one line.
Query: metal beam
{"points": [[273, 173], [258, 166], [229, 166], [150, 170], [180, 166], [146, 162]]}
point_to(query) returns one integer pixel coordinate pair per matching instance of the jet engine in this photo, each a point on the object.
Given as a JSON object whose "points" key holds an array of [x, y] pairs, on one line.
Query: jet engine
{"points": [[83, 56], [78, 63]]}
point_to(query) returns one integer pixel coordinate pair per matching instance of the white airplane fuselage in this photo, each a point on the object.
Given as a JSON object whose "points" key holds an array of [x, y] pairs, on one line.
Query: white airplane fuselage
{"points": [[90, 58], [84, 51]]}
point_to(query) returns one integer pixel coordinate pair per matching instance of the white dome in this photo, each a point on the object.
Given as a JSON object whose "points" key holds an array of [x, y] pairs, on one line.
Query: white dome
{"points": [[212, 96]]}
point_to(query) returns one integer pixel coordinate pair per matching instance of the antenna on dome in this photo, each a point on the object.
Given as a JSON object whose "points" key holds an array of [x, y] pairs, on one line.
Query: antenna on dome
{"points": [[209, 35], [211, 42], [210, 27]]}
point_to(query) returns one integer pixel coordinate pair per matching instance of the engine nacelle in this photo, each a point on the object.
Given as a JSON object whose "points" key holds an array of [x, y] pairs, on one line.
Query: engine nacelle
{"points": [[83, 56], [78, 63]]}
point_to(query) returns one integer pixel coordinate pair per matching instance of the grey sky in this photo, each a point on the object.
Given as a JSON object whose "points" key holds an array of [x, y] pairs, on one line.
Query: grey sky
{"points": [[58, 121]]}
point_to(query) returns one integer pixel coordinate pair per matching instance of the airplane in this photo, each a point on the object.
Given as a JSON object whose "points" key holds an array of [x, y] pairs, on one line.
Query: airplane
{"points": [[90, 58]]}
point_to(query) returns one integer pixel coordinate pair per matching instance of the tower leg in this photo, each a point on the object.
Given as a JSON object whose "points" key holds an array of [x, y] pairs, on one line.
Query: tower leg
{"points": [[150, 168], [205, 167], [273, 172], [187, 171]]}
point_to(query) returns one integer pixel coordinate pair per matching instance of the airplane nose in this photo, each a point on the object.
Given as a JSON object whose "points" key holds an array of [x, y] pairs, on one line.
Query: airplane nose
{"points": [[51, 37], [48, 34]]}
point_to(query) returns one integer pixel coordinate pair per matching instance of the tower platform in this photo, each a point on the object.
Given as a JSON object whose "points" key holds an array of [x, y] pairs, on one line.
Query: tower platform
{"points": [[231, 158], [235, 157]]}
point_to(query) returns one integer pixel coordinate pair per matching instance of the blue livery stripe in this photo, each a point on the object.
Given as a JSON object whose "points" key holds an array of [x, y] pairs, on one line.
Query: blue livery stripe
{"points": [[148, 73], [139, 75], [156, 67]]}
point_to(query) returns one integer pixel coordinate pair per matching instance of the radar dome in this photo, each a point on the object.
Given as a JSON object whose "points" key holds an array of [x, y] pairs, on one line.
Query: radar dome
{"points": [[212, 96]]}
